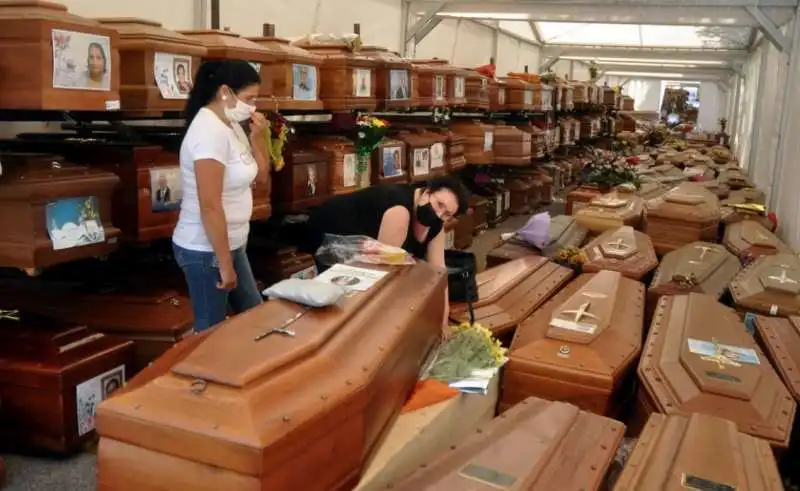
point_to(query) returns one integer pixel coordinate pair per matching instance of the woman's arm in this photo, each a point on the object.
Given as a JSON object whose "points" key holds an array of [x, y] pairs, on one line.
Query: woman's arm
{"points": [[394, 226], [435, 256], [262, 159], [209, 174]]}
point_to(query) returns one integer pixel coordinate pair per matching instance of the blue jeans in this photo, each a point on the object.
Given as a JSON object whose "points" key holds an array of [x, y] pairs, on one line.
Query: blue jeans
{"points": [[209, 303]]}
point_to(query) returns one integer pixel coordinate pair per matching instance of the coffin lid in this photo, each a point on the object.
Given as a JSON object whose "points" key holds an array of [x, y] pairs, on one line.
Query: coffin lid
{"points": [[33, 167], [221, 44], [302, 155], [781, 337], [713, 382], [283, 50], [619, 244], [527, 447], [697, 261], [340, 50], [611, 200], [32, 337], [755, 234], [560, 227], [391, 58], [587, 313], [674, 452], [133, 31], [770, 284], [42, 10]]}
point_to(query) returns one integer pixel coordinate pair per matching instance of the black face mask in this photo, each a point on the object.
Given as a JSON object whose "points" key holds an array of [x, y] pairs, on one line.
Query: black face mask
{"points": [[426, 216]]}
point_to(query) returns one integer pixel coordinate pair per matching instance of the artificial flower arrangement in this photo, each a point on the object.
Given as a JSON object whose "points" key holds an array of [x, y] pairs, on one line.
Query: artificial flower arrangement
{"points": [[275, 136], [571, 257], [549, 77], [369, 131], [606, 171], [471, 347]]}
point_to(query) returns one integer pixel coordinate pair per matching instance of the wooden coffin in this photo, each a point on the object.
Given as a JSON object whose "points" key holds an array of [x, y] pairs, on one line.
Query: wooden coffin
{"points": [[651, 190], [527, 448], [542, 97], [53, 374], [580, 346], [157, 66], [627, 103], [52, 211], [479, 206], [272, 263], [347, 78], [433, 83], [509, 251], [512, 146], [748, 238], [745, 196], [611, 211], [343, 176], [565, 232], [54, 60], [698, 452], [292, 75], [389, 162], [455, 82], [698, 358], [624, 249], [700, 267], [520, 190], [519, 95], [237, 434], [464, 230], [685, 214], [735, 178], [438, 153], [477, 91], [479, 143], [498, 93], [455, 158], [769, 285], [394, 80], [509, 293], [303, 182], [579, 197], [418, 155], [780, 339]]}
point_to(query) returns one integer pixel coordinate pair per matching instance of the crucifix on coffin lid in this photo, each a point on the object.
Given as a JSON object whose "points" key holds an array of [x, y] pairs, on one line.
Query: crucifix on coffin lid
{"points": [[577, 315], [720, 357], [783, 278]]}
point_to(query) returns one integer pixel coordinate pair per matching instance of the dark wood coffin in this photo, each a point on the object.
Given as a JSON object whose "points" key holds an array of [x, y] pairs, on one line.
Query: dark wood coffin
{"points": [[509, 293], [394, 90], [565, 231], [53, 374], [343, 377], [580, 346], [527, 448], [479, 207], [44, 62], [769, 285], [685, 214], [463, 230], [418, 155], [150, 57], [292, 77], [779, 337], [432, 83], [725, 382], [479, 144], [303, 182], [610, 211], [455, 159], [272, 263], [343, 172], [698, 451], [347, 78], [519, 95], [498, 91], [42, 192], [625, 250], [509, 251], [477, 91], [748, 239], [389, 162]]}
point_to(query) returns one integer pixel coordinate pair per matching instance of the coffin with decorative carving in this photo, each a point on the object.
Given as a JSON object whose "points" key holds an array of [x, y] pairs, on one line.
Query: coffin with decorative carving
{"points": [[769, 285], [527, 448], [623, 249], [52, 375], [580, 346], [749, 239], [699, 452], [685, 214], [211, 419], [699, 358], [611, 211], [508, 293]]}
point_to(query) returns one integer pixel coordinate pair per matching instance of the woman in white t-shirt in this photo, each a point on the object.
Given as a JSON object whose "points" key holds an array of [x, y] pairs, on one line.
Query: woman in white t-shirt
{"points": [[219, 164]]}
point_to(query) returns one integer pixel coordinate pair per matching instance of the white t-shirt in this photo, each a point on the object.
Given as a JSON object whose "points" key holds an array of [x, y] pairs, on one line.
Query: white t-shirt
{"points": [[209, 138]]}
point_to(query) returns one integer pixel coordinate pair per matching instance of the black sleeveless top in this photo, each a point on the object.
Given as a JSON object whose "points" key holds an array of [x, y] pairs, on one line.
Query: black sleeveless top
{"points": [[361, 212]]}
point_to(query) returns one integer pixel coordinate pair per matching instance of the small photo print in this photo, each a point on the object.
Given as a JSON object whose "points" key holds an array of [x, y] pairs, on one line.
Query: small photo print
{"points": [[733, 353], [349, 174], [392, 161], [304, 78], [311, 181], [437, 155], [398, 84], [362, 82], [351, 277], [439, 87], [421, 161], [81, 61], [460, 89], [74, 222], [528, 97], [501, 96], [90, 393], [173, 75], [165, 189]]}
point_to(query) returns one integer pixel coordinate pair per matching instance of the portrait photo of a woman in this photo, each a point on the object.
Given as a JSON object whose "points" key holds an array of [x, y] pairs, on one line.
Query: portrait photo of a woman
{"points": [[182, 81], [81, 61], [96, 67]]}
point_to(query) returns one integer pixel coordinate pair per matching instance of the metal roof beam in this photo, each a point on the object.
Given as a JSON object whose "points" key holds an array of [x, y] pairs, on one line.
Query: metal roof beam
{"points": [[673, 54], [720, 72], [770, 30], [619, 3], [425, 24], [650, 76]]}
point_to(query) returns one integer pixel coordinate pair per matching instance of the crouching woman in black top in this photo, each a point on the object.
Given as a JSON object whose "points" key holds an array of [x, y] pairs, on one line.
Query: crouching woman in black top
{"points": [[410, 216]]}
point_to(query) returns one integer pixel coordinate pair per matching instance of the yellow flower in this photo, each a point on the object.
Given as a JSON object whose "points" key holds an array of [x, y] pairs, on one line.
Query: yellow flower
{"points": [[379, 123]]}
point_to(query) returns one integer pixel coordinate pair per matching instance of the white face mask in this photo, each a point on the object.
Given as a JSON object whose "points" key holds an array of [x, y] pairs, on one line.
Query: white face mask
{"points": [[241, 112]]}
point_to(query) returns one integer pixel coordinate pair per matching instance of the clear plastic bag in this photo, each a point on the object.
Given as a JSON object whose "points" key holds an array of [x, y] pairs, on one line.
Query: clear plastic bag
{"points": [[349, 249]]}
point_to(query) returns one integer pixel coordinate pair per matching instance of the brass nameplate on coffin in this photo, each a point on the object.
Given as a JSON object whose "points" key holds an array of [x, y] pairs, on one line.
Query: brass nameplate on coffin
{"points": [[781, 280], [699, 484], [700, 262], [725, 377], [490, 477]]}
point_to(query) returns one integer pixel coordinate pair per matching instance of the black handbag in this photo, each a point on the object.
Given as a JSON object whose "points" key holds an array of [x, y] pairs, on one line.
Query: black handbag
{"points": [[461, 283]]}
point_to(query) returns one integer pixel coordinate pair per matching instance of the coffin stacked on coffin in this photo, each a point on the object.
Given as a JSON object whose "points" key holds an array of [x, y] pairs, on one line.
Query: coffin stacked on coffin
{"points": [[748, 239], [685, 214], [235, 413], [624, 249], [611, 211]]}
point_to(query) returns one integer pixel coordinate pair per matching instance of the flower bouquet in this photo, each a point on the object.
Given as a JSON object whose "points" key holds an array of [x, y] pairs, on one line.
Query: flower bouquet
{"points": [[571, 257], [275, 138], [369, 131], [608, 172]]}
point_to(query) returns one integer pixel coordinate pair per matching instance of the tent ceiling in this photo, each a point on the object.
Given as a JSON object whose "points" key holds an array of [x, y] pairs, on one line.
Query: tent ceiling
{"points": [[647, 36]]}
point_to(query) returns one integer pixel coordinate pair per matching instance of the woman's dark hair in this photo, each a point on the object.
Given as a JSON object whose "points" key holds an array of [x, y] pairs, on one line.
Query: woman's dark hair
{"points": [[236, 74], [98, 47], [453, 185]]}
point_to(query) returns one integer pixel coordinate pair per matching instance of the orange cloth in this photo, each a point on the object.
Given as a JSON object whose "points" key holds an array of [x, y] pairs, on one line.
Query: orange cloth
{"points": [[427, 393]]}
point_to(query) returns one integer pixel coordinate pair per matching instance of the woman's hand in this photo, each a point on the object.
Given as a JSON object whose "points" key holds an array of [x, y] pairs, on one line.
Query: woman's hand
{"points": [[227, 278], [258, 124]]}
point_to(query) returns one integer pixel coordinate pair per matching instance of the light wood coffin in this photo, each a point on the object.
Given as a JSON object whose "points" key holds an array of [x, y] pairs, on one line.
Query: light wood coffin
{"points": [[509, 293], [241, 414], [528, 448], [48, 60], [769, 285], [685, 214], [342, 163], [394, 77], [509, 251], [564, 232], [728, 376], [150, 58], [651, 190], [611, 211], [42, 194], [698, 452], [746, 196], [347, 77], [625, 250], [779, 337], [580, 346], [433, 83], [750, 238]]}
